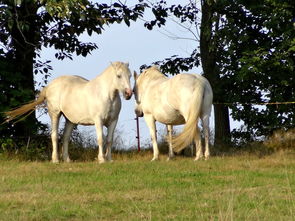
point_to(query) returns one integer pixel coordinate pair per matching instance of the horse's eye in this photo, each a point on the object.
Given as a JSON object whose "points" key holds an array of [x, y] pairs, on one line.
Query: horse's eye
{"points": [[118, 76]]}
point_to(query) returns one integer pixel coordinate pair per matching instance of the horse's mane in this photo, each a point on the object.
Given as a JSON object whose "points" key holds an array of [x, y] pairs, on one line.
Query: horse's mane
{"points": [[118, 65], [153, 73]]}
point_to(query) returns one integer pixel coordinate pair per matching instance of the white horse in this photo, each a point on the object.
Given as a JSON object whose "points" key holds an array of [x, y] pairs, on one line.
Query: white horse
{"points": [[182, 99], [95, 102]]}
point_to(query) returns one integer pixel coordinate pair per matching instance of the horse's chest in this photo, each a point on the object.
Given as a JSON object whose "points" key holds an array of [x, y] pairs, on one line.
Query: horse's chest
{"points": [[111, 111]]}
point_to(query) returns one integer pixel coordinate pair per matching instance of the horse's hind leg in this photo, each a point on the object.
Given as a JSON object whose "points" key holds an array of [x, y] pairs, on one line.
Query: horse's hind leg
{"points": [[199, 151], [205, 122], [69, 126], [169, 131], [54, 135]]}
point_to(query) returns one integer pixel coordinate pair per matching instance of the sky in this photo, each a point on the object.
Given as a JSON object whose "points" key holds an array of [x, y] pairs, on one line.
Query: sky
{"points": [[134, 44]]}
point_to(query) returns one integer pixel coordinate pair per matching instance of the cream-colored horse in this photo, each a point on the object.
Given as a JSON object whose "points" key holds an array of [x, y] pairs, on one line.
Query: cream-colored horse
{"points": [[95, 102], [182, 99]]}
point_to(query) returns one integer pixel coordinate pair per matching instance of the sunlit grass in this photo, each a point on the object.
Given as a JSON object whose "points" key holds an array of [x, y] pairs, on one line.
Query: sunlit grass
{"points": [[242, 187]]}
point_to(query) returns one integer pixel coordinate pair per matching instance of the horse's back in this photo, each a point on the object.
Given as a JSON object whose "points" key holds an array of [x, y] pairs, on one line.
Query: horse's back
{"points": [[63, 82], [181, 87], [68, 80], [167, 98], [62, 88], [180, 91], [190, 82]]}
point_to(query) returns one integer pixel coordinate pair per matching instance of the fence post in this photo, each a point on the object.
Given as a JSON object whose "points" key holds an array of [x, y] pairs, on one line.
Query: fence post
{"points": [[137, 133]]}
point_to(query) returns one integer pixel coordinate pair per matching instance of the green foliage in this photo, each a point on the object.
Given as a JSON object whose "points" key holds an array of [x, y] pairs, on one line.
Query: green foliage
{"points": [[258, 63], [60, 23], [253, 47], [35, 148], [14, 94], [176, 64]]}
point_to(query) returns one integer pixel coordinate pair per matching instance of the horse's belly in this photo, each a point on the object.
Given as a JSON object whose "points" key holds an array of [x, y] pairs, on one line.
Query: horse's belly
{"points": [[86, 122], [171, 118], [79, 120]]}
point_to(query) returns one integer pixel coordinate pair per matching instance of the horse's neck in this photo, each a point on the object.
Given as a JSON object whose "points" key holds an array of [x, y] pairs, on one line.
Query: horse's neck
{"points": [[105, 84], [156, 80], [150, 83]]}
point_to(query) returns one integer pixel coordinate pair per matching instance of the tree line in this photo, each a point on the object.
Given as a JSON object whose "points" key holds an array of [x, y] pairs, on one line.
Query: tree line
{"points": [[246, 50]]}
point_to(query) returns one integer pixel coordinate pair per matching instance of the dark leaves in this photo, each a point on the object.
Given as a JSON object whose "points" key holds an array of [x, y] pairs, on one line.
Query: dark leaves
{"points": [[161, 11], [175, 64]]}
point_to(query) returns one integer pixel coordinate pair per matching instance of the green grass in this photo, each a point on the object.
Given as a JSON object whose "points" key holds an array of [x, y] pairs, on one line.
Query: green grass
{"points": [[241, 187]]}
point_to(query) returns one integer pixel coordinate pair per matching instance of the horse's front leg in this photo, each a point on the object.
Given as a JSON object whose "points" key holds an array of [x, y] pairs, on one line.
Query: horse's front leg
{"points": [[99, 134], [69, 126], [110, 135], [150, 121], [169, 131]]}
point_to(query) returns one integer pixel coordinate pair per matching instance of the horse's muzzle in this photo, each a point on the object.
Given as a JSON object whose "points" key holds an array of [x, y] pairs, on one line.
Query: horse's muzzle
{"points": [[138, 113], [127, 93]]}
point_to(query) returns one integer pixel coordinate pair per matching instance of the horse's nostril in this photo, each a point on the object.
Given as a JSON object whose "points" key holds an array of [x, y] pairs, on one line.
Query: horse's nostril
{"points": [[128, 93]]}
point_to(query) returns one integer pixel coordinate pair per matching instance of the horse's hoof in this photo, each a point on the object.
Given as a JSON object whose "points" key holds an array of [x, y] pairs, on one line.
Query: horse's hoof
{"points": [[155, 159], [109, 159], [55, 161], [67, 160], [100, 161], [170, 158], [197, 158]]}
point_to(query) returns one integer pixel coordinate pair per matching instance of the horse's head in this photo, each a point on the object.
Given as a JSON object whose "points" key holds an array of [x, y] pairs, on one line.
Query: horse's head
{"points": [[141, 82], [122, 78]]}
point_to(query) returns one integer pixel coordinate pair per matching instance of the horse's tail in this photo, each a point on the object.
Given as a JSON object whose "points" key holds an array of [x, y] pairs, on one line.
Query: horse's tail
{"points": [[191, 129], [27, 108]]}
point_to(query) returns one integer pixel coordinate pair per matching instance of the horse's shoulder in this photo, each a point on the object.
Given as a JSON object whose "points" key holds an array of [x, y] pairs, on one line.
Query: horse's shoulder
{"points": [[196, 77]]}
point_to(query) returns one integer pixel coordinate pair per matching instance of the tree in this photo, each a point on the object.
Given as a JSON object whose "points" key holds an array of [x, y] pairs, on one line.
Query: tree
{"points": [[28, 25], [260, 37], [247, 53]]}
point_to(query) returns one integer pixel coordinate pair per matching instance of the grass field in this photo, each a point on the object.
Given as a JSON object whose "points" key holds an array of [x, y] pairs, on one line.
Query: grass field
{"points": [[243, 187]]}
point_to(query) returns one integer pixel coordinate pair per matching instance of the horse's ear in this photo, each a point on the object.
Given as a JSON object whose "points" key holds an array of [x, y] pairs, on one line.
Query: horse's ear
{"points": [[127, 64], [135, 75], [113, 66]]}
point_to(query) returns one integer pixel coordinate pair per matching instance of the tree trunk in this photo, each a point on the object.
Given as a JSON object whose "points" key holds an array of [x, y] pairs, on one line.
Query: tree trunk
{"points": [[208, 49], [23, 42], [222, 126]]}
